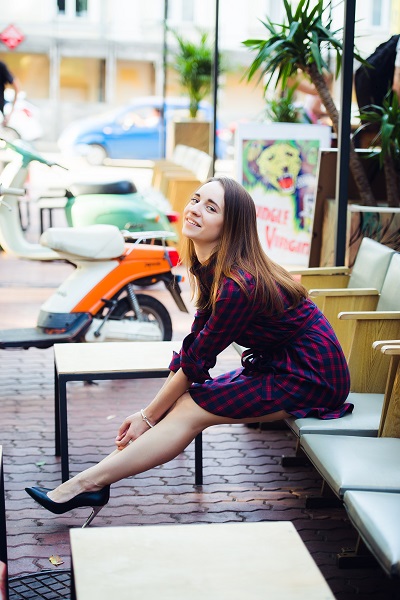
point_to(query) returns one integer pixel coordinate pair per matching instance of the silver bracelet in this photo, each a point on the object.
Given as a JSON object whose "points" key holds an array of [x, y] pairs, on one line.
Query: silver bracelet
{"points": [[145, 419]]}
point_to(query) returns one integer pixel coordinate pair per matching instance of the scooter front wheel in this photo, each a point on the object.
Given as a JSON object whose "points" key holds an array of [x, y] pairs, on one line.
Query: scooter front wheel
{"points": [[152, 310]]}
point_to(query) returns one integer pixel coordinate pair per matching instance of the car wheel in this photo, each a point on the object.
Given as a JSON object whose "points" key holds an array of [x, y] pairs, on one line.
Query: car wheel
{"points": [[96, 154]]}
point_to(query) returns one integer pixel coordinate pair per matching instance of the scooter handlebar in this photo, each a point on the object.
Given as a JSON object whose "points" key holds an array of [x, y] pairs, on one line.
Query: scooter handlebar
{"points": [[29, 153], [11, 191]]}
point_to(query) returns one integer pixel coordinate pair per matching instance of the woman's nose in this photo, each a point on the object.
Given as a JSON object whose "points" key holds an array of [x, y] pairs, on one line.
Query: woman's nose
{"points": [[194, 209]]}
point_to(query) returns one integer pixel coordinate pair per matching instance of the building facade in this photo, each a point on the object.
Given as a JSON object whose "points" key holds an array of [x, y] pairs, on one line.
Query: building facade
{"points": [[79, 57]]}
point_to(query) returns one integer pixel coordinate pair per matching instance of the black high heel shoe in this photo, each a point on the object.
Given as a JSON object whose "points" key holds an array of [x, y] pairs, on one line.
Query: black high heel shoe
{"points": [[96, 500]]}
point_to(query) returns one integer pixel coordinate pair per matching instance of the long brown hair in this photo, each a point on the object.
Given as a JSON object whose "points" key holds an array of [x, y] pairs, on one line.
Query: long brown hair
{"points": [[239, 249]]}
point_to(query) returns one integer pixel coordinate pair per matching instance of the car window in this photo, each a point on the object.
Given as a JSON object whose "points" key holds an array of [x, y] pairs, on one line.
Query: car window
{"points": [[146, 116]]}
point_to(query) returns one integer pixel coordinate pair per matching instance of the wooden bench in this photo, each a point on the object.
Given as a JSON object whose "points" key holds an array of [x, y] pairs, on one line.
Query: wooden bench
{"points": [[175, 179], [358, 291], [366, 464], [375, 516]]}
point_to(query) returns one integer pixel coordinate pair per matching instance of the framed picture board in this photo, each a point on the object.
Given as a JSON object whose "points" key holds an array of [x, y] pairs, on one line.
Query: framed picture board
{"points": [[277, 164]]}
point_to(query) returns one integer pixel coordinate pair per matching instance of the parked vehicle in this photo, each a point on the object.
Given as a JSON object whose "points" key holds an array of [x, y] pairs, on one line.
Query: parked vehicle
{"points": [[133, 131], [24, 121], [97, 302], [116, 203]]}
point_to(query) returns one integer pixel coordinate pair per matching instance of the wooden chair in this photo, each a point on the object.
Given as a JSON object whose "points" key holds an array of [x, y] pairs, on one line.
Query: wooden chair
{"points": [[362, 292], [369, 372], [368, 369], [368, 270], [177, 160]]}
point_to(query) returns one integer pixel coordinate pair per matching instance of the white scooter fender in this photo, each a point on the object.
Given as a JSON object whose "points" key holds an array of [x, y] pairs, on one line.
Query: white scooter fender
{"points": [[12, 237]]}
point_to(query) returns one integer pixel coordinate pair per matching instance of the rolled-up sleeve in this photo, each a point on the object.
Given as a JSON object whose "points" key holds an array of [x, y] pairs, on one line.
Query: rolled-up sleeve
{"points": [[200, 319], [200, 348]]}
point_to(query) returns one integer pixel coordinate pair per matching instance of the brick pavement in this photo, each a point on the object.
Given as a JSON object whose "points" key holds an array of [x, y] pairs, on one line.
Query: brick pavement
{"points": [[243, 478]]}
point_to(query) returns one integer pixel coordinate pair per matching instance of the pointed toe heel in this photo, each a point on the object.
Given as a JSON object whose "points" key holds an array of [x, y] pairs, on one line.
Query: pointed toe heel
{"points": [[95, 500]]}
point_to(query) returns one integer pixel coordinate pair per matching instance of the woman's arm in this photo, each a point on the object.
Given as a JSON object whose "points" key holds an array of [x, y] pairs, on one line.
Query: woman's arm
{"points": [[134, 426], [174, 387], [198, 353]]}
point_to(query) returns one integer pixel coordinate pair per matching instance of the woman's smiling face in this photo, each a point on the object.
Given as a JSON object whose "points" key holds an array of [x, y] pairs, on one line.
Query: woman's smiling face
{"points": [[203, 217]]}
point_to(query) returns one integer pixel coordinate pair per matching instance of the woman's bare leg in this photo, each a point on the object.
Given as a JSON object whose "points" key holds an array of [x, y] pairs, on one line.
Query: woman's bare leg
{"points": [[157, 446]]}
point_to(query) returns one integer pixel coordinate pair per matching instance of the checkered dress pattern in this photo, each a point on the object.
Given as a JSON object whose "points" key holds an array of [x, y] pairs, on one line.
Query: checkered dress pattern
{"points": [[300, 366]]}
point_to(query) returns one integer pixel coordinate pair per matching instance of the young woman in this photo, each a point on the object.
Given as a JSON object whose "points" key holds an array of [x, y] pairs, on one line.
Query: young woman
{"points": [[295, 365]]}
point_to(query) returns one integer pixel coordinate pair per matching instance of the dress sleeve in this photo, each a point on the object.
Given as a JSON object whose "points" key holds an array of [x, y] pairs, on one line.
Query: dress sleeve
{"points": [[232, 314], [200, 319]]}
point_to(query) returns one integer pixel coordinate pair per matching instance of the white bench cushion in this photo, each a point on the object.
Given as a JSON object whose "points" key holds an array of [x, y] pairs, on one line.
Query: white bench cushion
{"points": [[349, 462], [375, 515], [363, 421]]}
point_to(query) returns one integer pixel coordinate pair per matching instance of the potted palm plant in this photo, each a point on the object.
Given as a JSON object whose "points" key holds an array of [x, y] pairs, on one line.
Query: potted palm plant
{"points": [[282, 109], [299, 44], [193, 62]]}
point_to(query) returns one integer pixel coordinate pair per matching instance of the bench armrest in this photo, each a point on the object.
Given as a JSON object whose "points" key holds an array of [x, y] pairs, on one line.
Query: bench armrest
{"points": [[391, 350], [344, 292], [380, 343], [369, 369], [371, 315], [321, 271]]}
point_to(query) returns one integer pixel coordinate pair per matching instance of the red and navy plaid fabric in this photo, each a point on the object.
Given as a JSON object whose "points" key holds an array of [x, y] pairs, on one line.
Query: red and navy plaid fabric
{"points": [[304, 371]]}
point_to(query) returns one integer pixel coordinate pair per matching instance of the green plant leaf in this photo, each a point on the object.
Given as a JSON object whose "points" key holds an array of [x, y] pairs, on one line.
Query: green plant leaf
{"points": [[194, 65]]}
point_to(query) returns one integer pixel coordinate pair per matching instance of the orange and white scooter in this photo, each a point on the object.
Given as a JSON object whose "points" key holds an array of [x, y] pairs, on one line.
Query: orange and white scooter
{"points": [[98, 301]]}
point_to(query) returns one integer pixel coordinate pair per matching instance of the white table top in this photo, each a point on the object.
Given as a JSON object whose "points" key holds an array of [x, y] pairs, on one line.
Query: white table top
{"points": [[230, 561], [113, 357]]}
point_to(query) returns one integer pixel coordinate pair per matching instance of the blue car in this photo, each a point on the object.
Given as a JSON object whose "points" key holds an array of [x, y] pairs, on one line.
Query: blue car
{"points": [[133, 131]]}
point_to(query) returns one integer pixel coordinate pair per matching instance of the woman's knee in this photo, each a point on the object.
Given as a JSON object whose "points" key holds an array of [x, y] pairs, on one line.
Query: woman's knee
{"points": [[185, 408]]}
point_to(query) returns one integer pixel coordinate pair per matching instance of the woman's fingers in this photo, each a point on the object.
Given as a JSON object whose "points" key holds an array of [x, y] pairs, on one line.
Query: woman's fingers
{"points": [[124, 428], [131, 428], [123, 442]]}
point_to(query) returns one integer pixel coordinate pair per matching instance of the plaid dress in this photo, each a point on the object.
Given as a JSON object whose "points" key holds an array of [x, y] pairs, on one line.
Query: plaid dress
{"points": [[297, 366]]}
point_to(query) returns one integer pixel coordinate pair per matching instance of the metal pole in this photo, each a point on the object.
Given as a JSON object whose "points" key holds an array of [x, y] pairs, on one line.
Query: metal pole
{"points": [[163, 132], [342, 169], [215, 84]]}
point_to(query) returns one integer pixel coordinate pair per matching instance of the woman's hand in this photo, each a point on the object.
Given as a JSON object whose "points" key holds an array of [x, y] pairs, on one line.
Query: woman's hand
{"points": [[130, 430]]}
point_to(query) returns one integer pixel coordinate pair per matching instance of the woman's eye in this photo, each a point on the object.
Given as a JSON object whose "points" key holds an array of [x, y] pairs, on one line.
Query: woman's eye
{"points": [[194, 200], [210, 207]]}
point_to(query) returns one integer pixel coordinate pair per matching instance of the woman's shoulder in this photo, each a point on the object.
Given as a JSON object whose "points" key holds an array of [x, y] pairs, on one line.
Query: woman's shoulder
{"points": [[238, 282]]}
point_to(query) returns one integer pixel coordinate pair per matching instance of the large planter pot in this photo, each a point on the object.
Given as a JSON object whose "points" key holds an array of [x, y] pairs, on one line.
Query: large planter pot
{"points": [[377, 222], [189, 132], [380, 223]]}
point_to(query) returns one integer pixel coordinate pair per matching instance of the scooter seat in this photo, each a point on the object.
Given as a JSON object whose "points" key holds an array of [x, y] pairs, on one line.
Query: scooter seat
{"points": [[112, 187], [95, 242]]}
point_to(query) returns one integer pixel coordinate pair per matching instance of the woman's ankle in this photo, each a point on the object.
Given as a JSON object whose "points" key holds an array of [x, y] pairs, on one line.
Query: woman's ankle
{"points": [[88, 482]]}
